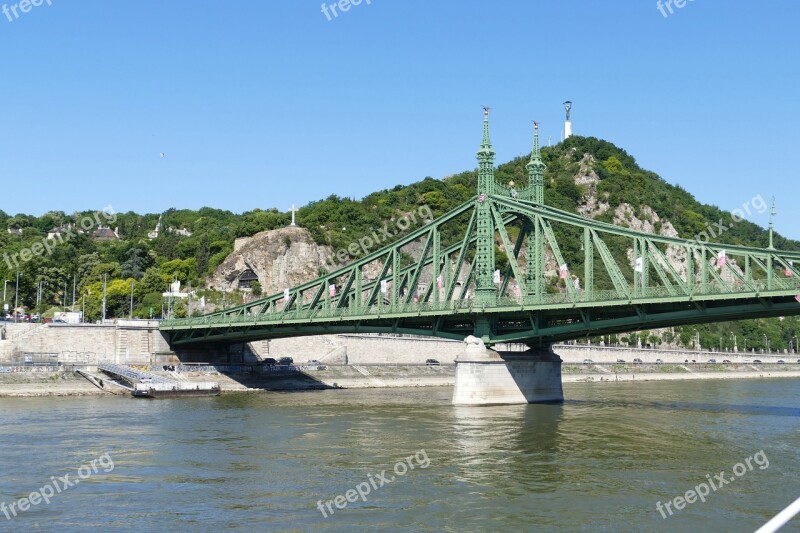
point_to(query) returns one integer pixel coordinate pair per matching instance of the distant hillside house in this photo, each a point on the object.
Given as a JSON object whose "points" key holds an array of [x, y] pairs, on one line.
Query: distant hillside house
{"points": [[105, 234], [183, 232], [16, 232], [154, 234], [56, 232], [247, 278]]}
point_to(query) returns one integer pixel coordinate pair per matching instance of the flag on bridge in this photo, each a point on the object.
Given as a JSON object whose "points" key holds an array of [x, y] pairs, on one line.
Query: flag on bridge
{"points": [[639, 266], [440, 282], [496, 276], [722, 258], [797, 297], [285, 294], [384, 286], [564, 271], [788, 270], [332, 290]]}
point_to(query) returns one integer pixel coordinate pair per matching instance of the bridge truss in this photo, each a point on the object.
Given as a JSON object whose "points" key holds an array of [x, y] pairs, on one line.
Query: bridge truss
{"points": [[443, 282]]}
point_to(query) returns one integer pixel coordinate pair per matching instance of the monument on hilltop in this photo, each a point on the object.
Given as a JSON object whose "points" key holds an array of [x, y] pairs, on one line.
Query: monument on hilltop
{"points": [[568, 123]]}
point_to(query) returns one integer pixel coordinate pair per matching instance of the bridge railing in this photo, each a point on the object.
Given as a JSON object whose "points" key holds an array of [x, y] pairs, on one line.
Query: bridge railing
{"points": [[470, 305]]}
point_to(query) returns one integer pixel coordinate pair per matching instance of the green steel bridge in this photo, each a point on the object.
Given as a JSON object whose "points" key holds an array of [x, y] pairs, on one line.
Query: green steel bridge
{"points": [[439, 281]]}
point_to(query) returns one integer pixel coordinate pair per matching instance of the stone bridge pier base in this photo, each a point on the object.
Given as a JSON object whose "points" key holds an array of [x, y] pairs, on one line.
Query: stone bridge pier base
{"points": [[486, 377]]}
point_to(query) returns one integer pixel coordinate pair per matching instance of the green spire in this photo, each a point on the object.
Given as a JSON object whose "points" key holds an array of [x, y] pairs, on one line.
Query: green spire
{"points": [[486, 159], [536, 168], [485, 289]]}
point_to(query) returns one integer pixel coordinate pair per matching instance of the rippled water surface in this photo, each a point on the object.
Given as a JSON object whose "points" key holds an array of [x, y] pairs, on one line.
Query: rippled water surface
{"points": [[261, 462]]}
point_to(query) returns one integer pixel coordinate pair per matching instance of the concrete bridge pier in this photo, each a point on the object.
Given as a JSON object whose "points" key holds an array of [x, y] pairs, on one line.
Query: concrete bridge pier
{"points": [[486, 377]]}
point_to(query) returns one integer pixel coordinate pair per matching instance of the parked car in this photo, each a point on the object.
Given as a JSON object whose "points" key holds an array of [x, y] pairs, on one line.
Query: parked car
{"points": [[315, 364], [637, 361], [269, 361], [587, 362], [432, 362], [712, 361], [726, 361], [781, 362], [659, 362], [285, 361], [620, 360], [757, 361]]}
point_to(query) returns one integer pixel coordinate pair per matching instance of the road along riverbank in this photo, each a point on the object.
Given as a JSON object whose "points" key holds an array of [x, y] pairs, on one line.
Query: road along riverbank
{"points": [[252, 379]]}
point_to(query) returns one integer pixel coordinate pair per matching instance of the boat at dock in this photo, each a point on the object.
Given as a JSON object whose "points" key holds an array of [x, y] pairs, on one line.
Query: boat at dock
{"points": [[146, 384], [161, 390]]}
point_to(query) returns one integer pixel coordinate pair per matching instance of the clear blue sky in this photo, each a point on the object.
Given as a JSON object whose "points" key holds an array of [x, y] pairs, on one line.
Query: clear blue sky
{"points": [[268, 103]]}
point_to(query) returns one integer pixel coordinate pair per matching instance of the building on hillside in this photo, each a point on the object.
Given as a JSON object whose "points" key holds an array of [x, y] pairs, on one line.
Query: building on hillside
{"points": [[247, 278], [154, 234], [183, 232], [58, 232], [106, 234]]}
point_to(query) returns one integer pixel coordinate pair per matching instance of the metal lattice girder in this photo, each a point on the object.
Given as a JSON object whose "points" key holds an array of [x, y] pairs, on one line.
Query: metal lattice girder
{"points": [[559, 314]]}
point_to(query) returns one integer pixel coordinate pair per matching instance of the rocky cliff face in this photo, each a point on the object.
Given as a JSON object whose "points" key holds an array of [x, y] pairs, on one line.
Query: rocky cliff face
{"points": [[281, 258]]}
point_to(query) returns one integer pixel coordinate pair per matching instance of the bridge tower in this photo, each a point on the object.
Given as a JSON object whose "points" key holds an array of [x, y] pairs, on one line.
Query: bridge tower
{"points": [[535, 268], [483, 375], [485, 290]]}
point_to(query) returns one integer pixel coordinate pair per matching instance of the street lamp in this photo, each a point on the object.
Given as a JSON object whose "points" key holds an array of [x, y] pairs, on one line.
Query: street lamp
{"points": [[16, 296], [130, 313], [795, 343], [105, 278], [5, 284], [766, 343], [39, 293]]}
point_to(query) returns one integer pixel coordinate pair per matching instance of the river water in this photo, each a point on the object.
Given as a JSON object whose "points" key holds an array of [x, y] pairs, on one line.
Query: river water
{"points": [[261, 462]]}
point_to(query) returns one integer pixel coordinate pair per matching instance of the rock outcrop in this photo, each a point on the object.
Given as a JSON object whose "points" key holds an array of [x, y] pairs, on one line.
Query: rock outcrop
{"points": [[280, 258]]}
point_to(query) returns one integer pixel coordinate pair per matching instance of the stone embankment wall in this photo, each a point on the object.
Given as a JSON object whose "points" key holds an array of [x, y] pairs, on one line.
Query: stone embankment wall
{"points": [[365, 349], [572, 353], [140, 341], [123, 341]]}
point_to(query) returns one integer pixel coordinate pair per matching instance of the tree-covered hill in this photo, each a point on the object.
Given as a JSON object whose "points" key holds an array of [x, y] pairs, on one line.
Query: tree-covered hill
{"points": [[191, 244]]}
